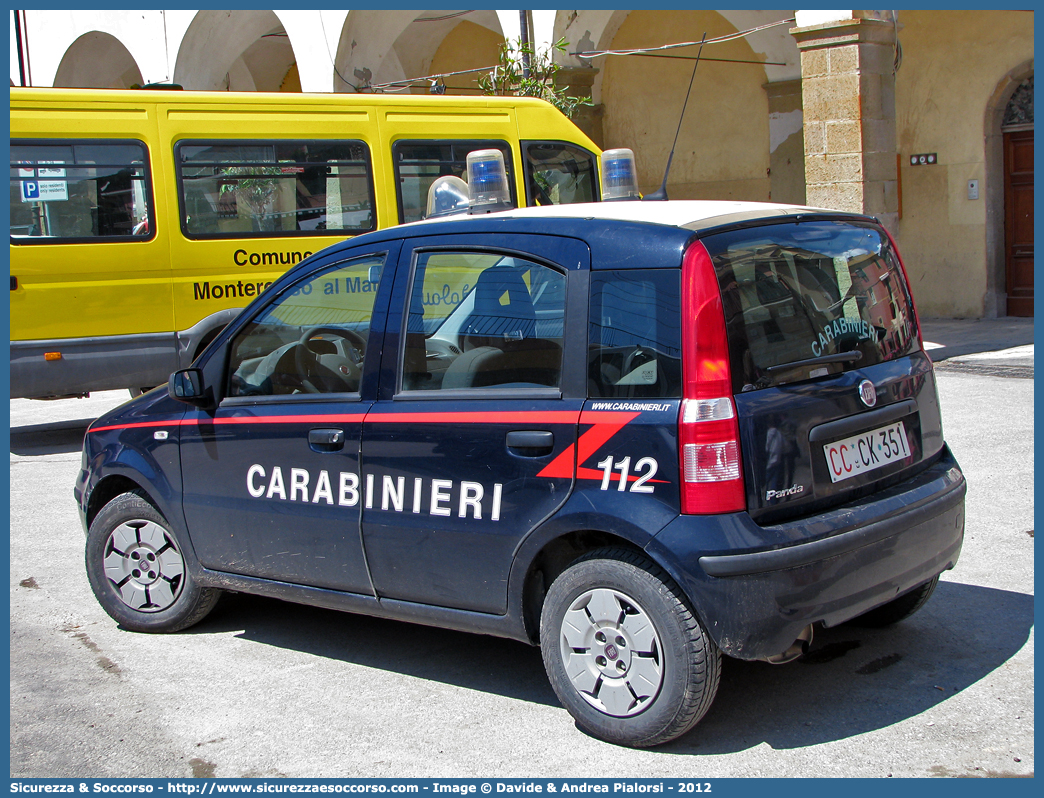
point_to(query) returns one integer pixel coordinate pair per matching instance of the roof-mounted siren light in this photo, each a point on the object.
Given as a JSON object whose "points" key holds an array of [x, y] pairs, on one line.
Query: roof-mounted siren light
{"points": [[619, 177], [447, 196], [487, 182]]}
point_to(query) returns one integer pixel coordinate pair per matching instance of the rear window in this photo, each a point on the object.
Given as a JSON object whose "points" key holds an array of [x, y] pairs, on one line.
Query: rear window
{"points": [[634, 344], [809, 300]]}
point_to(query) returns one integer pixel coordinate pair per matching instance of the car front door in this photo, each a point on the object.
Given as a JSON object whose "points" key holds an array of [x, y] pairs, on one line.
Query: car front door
{"points": [[458, 449], [271, 476]]}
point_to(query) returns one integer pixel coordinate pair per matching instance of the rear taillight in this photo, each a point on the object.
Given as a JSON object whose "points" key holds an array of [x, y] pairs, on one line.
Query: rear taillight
{"points": [[708, 430], [909, 290]]}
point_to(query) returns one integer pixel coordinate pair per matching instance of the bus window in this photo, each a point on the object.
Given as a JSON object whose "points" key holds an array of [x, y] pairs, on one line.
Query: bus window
{"points": [[246, 189], [79, 191], [419, 163], [559, 174]]}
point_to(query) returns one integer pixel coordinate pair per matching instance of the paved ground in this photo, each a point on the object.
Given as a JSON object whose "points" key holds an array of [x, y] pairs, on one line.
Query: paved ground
{"points": [[1000, 347], [983, 338], [263, 688]]}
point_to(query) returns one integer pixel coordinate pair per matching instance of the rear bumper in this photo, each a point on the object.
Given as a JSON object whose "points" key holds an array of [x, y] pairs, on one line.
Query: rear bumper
{"points": [[756, 599]]}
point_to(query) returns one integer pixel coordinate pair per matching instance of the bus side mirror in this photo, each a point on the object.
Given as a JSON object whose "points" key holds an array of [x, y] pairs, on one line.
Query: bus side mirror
{"points": [[187, 386]]}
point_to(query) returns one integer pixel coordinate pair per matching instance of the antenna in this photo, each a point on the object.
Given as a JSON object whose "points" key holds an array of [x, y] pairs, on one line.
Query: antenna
{"points": [[661, 193]]}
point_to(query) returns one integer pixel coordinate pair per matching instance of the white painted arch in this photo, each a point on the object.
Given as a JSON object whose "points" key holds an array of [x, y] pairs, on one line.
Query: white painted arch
{"points": [[97, 60], [233, 51], [379, 47], [52, 35]]}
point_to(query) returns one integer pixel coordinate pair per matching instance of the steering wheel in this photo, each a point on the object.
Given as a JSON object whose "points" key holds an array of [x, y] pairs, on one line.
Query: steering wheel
{"points": [[312, 366], [636, 359]]}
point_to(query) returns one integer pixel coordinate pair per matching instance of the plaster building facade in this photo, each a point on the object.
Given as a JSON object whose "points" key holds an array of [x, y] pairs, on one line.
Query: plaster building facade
{"points": [[921, 118]]}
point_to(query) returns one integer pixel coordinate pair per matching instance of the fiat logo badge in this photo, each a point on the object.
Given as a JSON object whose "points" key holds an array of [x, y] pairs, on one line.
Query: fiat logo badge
{"points": [[868, 393]]}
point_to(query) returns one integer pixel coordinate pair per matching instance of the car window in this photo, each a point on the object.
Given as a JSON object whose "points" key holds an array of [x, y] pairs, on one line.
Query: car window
{"points": [[558, 173], [264, 188], [483, 320], [635, 336], [808, 300], [418, 164], [87, 191], [312, 340]]}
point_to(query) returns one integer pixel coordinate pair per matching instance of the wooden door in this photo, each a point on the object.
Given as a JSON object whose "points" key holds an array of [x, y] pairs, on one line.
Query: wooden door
{"points": [[1018, 221]]}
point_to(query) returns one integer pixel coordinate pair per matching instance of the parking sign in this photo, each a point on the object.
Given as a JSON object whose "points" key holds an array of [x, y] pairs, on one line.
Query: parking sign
{"points": [[45, 191]]}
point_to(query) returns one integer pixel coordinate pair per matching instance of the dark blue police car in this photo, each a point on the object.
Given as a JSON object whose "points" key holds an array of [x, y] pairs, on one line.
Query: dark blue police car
{"points": [[639, 434]]}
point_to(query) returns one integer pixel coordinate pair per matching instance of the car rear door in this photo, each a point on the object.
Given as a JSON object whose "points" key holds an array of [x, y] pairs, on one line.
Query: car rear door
{"points": [[835, 397], [481, 391]]}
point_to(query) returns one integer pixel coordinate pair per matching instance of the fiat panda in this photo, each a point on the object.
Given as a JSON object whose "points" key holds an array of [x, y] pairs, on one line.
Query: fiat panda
{"points": [[641, 435]]}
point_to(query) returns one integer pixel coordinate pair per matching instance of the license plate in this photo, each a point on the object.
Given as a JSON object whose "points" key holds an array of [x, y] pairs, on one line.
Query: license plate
{"points": [[866, 451]]}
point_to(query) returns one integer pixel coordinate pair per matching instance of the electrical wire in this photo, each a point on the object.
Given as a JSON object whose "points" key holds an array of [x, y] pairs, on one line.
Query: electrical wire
{"points": [[717, 40], [446, 16], [705, 58], [406, 83], [329, 55]]}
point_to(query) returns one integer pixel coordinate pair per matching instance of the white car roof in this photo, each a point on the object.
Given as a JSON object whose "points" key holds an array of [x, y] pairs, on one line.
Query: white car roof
{"points": [[692, 214]]}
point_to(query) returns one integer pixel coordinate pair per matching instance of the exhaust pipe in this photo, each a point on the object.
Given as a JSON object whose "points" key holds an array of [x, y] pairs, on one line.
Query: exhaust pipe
{"points": [[797, 648]]}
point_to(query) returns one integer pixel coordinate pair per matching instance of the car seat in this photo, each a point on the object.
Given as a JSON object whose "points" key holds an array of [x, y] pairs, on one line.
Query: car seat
{"points": [[498, 337]]}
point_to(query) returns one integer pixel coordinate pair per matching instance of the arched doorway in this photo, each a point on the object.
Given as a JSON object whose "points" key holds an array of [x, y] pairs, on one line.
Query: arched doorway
{"points": [[236, 51], [1017, 132], [467, 46], [97, 60], [378, 48], [723, 149]]}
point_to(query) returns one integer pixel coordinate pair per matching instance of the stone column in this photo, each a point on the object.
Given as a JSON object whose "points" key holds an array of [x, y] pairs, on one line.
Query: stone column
{"points": [[848, 98], [578, 82]]}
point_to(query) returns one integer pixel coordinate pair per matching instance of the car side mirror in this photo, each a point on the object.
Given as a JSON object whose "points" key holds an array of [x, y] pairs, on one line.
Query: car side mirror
{"points": [[187, 386]]}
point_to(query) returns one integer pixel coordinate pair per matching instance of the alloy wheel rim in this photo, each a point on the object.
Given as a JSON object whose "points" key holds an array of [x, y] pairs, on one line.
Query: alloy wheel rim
{"points": [[144, 566], [611, 652]]}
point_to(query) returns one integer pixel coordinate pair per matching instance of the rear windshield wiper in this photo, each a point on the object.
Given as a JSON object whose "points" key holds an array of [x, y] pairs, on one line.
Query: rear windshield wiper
{"points": [[837, 357]]}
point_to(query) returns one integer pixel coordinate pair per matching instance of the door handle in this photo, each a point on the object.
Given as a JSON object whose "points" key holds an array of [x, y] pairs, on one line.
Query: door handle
{"points": [[326, 440], [530, 442]]}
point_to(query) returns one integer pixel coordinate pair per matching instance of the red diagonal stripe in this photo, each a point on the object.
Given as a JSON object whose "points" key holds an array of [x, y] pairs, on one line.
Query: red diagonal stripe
{"points": [[605, 426]]}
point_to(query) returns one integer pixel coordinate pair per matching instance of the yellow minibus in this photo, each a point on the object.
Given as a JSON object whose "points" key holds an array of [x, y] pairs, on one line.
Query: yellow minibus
{"points": [[143, 221]]}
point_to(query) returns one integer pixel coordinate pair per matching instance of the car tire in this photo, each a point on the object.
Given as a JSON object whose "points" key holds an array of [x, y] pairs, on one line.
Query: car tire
{"points": [[624, 651], [897, 609], [137, 570]]}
